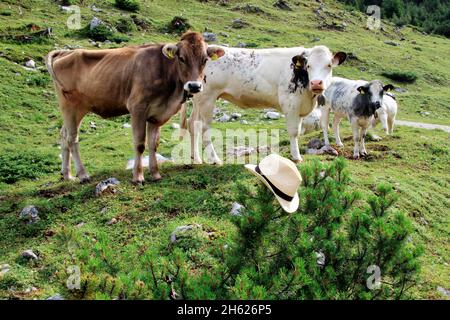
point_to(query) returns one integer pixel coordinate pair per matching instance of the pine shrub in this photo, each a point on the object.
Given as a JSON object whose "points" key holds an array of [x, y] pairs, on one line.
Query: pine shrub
{"points": [[340, 244]]}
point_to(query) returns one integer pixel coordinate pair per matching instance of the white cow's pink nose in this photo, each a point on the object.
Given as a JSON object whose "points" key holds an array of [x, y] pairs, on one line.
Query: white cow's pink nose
{"points": [[317, 85]]}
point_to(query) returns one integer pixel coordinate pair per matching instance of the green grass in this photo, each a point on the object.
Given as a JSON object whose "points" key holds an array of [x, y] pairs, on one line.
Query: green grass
{"points": [[415, 161]]}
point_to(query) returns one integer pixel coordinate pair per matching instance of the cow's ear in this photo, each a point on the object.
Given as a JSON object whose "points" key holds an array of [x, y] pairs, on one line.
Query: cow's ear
{"points": [[170, 50], [215, 52], [298, 61], [388, 87], [362, 90], [339, 58]]}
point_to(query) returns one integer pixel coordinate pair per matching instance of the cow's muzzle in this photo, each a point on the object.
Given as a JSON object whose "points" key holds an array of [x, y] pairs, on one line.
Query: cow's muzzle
{"points": [[317, 86], [193, 86]]}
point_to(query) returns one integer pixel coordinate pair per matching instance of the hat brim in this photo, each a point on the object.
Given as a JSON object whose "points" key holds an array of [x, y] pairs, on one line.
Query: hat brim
{"points": [[288, 206]]}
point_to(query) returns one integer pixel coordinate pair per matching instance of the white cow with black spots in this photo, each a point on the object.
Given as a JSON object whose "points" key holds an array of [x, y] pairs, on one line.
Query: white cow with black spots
{"points": [[288, 79], [358, 100]]}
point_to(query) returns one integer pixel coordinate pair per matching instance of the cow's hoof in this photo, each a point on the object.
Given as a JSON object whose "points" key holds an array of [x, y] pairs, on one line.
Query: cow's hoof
{"points": [[197, 161], [363, 154], [340, 145], [67, 177], [138, 182], [217, 162], [156, 177], [297, 160], [355, 157], [85, 179]]}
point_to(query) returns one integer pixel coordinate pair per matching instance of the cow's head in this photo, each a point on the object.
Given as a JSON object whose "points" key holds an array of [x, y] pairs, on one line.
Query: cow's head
{"points": [[313, 68], [190, 56], [370, 96]]}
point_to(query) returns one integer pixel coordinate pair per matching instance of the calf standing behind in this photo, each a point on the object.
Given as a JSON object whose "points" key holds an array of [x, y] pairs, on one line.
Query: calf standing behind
{"points": [[289, 79], [387, 113], [150, 82], [356, 99]]}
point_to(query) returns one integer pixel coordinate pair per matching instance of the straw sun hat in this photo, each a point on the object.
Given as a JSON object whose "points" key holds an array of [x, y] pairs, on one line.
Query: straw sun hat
{"points": [[281, 176]]}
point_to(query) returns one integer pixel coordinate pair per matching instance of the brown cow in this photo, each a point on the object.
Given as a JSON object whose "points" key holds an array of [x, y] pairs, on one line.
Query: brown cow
{"points": [[151, 82]]}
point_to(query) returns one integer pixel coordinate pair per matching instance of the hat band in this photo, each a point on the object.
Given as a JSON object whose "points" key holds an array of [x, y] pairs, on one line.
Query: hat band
{"points": [[277, 191]]}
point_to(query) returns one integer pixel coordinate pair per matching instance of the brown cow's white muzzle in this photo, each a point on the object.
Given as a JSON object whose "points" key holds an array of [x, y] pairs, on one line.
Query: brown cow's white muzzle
{"points": [[317, 86], [193, 87]]}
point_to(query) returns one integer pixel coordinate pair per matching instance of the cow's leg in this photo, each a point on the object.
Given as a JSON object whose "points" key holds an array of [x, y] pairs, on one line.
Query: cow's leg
{"points": [[199, 126], [363, 151], [72, 119], [336, 121], [390, 124], [293, 123], [138, 123], [384, 122], [153, 133], [325, 121], [356, 137], [65, 155]]}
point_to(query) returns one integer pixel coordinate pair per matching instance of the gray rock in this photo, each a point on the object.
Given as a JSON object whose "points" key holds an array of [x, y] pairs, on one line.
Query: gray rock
{"points": [[392, 43], [126, 125], [244, 122], [111, 222], [182, 229], [443, 291], [239, 24], [322, 150], [283, 5], [65, 8], [30, 64], [30, 214], [175, 126], [4, 269], [92, 125], [236, 209], [95, 9], [224, 118], [209, 37], [108, 185], [235, 116], [29, 254], [272, 115], [373, 137], [401, 90], [315, 143], [241, 151], [223, 34], [55, 297], [316, 39], [241, 45], [95, 22]]}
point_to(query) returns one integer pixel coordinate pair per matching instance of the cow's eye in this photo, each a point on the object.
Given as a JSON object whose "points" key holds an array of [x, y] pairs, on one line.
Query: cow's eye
{"points": [[204, 61], [329, 66], [308, 67], [182, 60]]}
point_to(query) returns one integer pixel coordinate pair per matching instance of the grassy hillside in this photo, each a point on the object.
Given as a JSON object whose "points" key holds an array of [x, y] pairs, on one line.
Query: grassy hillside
{"points": [[415, 161]]}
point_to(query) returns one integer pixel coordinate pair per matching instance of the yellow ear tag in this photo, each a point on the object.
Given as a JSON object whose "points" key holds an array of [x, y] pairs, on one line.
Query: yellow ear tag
{"points": [[298, 64], [214, 57], [362, 92], [170, 54]]}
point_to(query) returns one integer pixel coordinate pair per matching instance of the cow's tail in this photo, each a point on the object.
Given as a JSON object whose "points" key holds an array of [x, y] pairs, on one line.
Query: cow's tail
{"points": [[183, 120], [49, 58]]}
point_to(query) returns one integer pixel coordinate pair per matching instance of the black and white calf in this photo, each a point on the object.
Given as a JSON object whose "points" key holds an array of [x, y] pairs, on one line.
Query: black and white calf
{"points": [[356, 99]]}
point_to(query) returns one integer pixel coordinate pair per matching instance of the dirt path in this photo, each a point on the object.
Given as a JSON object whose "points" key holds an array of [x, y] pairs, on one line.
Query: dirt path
{"points": [[422, 125]]}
